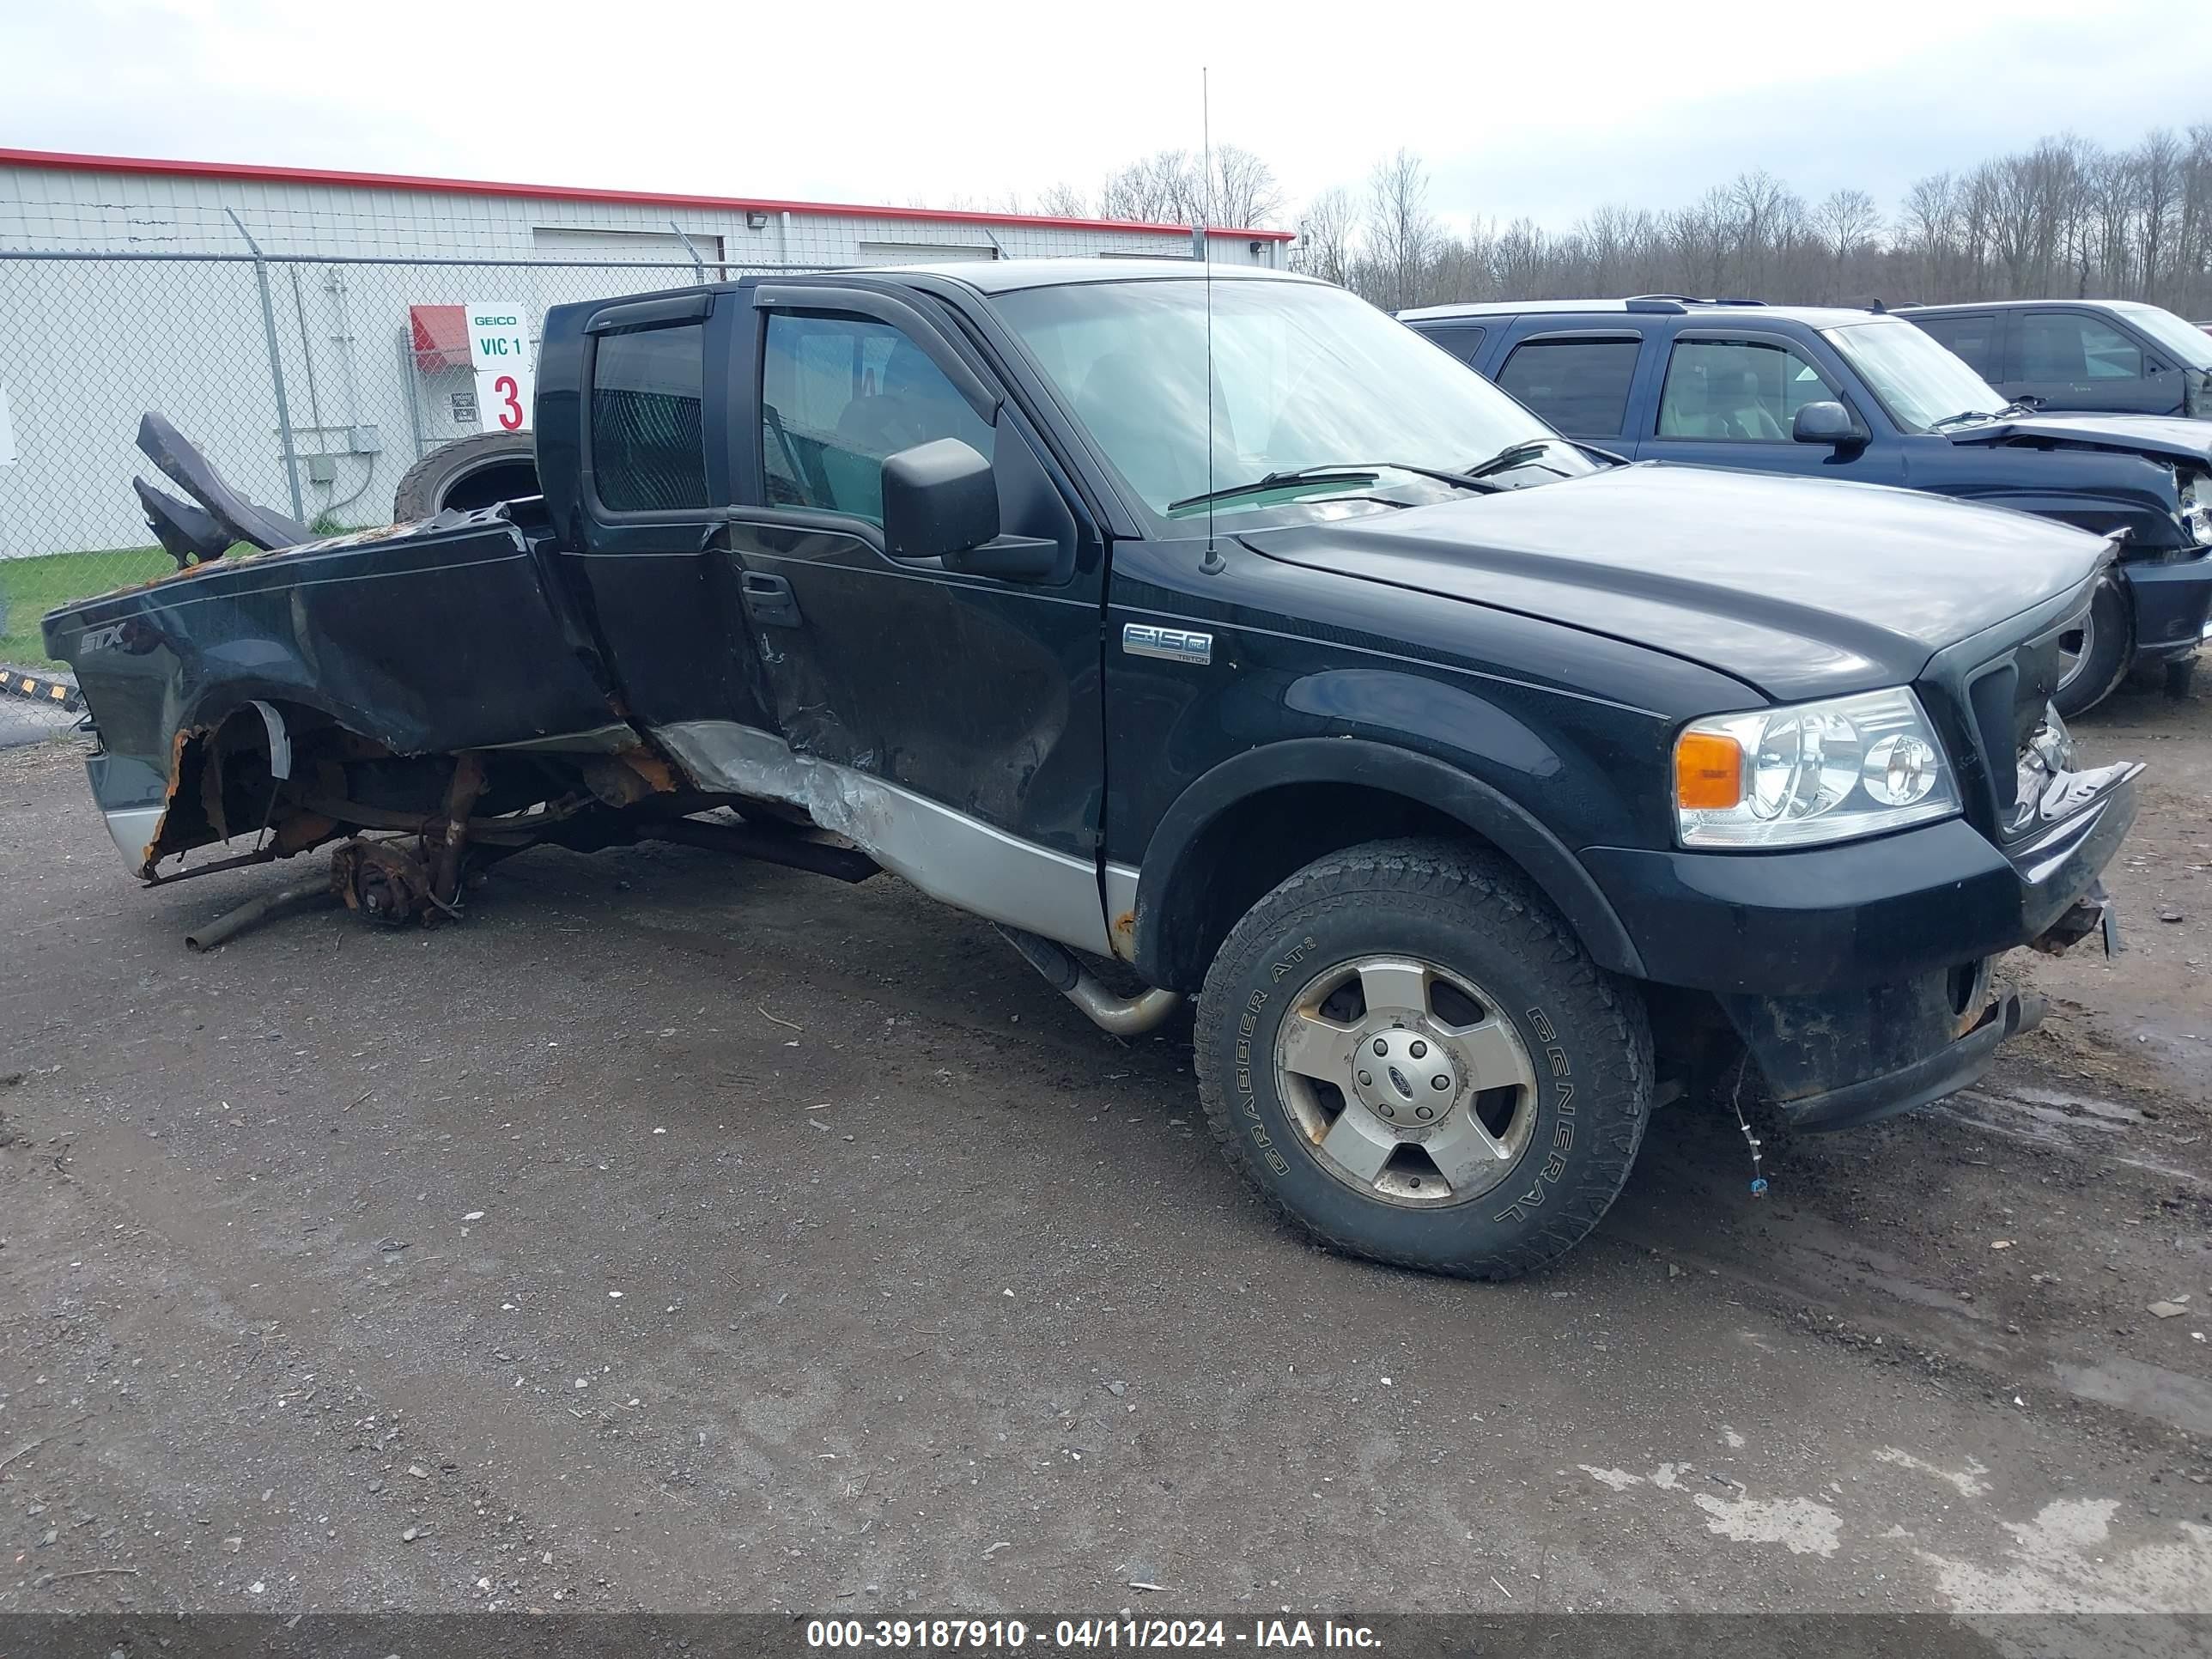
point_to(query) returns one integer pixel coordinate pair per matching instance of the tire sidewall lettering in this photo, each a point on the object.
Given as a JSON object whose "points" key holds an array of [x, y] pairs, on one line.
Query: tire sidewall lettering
{"points": [[1556, 1060], [1248, 1022]]}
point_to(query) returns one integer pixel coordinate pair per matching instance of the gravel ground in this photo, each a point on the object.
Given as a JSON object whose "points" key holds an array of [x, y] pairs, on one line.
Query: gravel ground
{"points": [[681, 1234]]}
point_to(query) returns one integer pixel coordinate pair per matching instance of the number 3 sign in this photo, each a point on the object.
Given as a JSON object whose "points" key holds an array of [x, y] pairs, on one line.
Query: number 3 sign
{"points": [[499, 350]]}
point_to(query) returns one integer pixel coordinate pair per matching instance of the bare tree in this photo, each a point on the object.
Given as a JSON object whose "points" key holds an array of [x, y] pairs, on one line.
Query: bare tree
{"points": [[1172, 187], [1163, 189], [1324, 245], [2061, 216], [1848, 221], [1762, 209], [2157, 163], [1699, 236], [1929, 227], [1064, 201], [1400, 233], [1245, 195]]}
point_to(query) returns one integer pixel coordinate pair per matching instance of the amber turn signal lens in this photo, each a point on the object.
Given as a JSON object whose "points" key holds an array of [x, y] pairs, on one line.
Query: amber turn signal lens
{"points": [[1708, 770]]}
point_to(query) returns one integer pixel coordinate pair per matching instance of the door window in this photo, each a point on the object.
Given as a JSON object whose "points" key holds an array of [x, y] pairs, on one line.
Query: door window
{"points": [[648, 453], [839, 395], [1740, 391], [1463, 342], [1578, 385], [2072, 345], [1972, 335]]}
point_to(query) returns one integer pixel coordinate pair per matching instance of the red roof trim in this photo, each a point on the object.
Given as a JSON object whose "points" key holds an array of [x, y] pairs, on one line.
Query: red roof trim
{"points": [[61, 159]]}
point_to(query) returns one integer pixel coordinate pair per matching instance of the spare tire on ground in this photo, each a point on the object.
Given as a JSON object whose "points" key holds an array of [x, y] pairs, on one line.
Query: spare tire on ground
{"points": [[466, 474]]}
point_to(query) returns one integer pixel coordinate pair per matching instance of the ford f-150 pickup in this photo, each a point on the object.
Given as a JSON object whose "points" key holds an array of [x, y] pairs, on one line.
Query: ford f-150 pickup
{"points": [[1484, 790]]}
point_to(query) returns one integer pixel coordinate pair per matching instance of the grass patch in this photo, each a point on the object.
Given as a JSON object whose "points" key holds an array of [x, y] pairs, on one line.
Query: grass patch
{"points": [[34, 586]]}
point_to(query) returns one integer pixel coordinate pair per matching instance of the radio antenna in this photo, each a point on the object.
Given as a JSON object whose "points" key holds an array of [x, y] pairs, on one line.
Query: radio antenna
{"points": [[1213, 563]]}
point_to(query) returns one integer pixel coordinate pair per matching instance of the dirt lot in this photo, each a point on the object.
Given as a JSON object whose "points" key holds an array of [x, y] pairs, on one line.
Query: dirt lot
{"points": [[678, 1234]]}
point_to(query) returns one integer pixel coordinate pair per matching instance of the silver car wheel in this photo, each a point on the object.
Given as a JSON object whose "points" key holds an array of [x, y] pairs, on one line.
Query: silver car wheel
{"points": [[1407, 1081]]}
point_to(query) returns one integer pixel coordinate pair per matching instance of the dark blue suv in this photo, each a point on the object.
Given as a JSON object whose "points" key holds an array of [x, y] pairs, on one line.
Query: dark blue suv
{"points": [[1870, 398], [2117, 356]]}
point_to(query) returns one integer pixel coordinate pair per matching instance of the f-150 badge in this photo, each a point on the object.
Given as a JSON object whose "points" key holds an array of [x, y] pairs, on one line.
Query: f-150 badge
{"points": [[1175, 644]]}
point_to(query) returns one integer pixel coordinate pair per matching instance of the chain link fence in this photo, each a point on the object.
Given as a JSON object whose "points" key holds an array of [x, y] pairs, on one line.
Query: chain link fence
{"points": [[312, 384]]}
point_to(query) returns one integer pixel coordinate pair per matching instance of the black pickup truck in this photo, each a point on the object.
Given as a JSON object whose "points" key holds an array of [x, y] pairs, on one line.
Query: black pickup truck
{"points": [[1485, 792]]}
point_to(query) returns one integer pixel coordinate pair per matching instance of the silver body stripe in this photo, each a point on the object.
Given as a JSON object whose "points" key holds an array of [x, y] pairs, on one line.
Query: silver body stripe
{"points": [[132, 828], [947, 854]]}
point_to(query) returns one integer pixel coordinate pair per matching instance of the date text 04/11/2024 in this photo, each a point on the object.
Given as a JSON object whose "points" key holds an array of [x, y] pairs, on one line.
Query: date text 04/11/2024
{"points": [[1009, 1635]]}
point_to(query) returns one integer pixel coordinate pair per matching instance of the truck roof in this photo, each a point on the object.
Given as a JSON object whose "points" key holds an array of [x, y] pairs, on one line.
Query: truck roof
{"points": [[1004, 276], [2106, 304], [1752, 310]]}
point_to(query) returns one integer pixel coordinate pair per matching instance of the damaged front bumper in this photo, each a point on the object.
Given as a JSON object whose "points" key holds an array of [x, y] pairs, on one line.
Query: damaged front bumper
{"points": [[1858, 977], [1836, 1062]]}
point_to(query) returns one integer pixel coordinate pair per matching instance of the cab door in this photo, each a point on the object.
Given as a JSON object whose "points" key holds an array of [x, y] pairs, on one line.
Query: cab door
{"points": [[952, 723], [656, 480], [2082, 359], [1730, 397]]}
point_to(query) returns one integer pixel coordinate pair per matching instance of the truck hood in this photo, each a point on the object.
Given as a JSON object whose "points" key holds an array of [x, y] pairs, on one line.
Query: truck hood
{"points": [[1799, 588], [2161, 437]]}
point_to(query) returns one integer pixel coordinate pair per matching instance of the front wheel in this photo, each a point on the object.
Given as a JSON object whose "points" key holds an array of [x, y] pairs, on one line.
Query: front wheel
{"points": [[1408, 1054], [2093, 658]]}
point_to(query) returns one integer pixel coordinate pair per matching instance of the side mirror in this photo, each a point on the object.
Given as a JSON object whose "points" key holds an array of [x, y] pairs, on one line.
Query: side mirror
{"points": [[939, 501], [1825, 423]]}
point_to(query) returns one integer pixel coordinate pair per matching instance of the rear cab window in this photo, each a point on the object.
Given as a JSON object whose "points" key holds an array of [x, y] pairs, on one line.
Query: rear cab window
{"points": [[647, 442], [1578, 383], [1972, 335], [1463, 340]]}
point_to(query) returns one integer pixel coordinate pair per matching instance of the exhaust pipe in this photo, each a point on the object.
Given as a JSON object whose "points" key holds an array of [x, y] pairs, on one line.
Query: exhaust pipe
{"points": [[1117, 1015]]}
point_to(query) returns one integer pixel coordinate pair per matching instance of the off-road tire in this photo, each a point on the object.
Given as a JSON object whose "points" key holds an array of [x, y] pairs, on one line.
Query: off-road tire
{"points": [[2112, 651], [428, 486], [1467, 911]]}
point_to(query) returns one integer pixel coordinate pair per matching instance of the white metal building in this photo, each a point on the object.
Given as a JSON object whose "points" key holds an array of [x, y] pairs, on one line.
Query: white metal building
{"points": [[365, 277]]}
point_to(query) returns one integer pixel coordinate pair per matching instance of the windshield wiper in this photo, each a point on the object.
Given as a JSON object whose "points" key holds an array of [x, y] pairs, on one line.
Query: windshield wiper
{"points": [[1274, 480], [1511, 456], [1332, 473], [1963, 414], [1529, 449]]}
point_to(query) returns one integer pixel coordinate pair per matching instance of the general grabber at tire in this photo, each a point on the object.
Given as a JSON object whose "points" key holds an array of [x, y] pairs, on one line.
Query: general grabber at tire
{"points": [[1405, 1050]]}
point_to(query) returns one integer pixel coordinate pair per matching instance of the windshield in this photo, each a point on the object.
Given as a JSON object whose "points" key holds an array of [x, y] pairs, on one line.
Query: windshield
{"points": [[1916, 381], [2192, 346], [1305, 376]]}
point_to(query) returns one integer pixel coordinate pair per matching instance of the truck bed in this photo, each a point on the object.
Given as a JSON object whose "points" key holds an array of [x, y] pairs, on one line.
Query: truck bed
{"points": [[414, 641]]}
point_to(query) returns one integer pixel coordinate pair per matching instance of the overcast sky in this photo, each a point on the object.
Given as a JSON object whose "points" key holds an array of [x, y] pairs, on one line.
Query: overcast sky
{"points": [[1545, 110]]}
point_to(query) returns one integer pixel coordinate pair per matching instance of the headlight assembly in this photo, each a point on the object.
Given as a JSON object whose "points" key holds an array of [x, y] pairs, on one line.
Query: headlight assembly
{"points": [[1810, 772], [2197, 508]]}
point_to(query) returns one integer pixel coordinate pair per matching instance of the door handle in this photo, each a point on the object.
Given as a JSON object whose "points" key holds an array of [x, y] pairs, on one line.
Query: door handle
{"points": [[768, 600]]}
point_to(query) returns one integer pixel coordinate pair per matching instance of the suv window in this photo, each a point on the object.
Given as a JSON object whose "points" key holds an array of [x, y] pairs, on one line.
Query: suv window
{"points": [[839, 395], [648, 453], [1972, 335], [1578, 385], [1742, 390], [1463, 340], [2072, 345]]}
